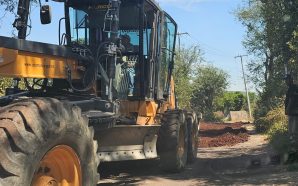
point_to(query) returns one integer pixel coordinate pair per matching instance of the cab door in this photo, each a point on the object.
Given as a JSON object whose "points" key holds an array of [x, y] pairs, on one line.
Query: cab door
{"points": [[168, 32]]}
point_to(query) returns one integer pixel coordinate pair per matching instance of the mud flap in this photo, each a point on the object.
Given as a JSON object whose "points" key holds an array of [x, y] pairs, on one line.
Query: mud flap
{"points": [[127, 142]]}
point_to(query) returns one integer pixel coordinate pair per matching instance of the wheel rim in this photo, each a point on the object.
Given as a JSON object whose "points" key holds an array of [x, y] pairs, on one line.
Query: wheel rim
{"points": [[60, 166]]}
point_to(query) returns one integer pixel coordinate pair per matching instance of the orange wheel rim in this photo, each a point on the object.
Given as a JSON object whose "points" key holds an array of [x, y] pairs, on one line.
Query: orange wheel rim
{"points": [[59, 167]]}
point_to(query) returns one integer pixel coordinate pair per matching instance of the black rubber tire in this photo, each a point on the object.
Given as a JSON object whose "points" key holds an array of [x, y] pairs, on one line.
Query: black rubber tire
{"points": [[173, 128], [29, 129], [193, 136]]}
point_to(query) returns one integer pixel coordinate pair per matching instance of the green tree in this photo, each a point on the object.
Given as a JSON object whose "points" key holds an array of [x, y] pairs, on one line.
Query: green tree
{"points": [[230, 101], [210, 83], [187, 61], [9, 5], [270, 27], [271, 30]]}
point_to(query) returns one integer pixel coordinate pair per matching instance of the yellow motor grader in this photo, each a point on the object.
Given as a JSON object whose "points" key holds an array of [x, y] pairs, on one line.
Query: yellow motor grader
{"points": [[105, 93]]}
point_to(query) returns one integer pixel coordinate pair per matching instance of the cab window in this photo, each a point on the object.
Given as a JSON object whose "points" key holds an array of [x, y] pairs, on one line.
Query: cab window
{"points": [[168, 46]]}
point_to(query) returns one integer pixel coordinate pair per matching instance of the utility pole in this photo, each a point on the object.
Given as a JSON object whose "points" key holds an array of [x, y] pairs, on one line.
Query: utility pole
{"points": [[180, 34], [247, 94]]}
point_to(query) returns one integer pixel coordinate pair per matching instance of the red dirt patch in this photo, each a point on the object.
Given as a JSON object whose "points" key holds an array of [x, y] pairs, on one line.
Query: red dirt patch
{"points": [[219, 134]]}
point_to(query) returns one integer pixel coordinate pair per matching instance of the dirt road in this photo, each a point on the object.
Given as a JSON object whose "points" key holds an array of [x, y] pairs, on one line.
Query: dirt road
{"points": [[250, 163]]}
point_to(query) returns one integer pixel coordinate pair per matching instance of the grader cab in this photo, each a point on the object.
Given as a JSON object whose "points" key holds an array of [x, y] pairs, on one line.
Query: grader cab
{"points": [[105, 93]]}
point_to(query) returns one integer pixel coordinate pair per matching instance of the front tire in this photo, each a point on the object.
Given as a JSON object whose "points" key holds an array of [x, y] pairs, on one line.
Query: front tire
{"points": [[45, 141], [172, 141], [193, 137]]}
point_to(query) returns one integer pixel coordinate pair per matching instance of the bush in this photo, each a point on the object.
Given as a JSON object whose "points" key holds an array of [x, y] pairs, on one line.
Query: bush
{"points": [[279, 138], [275, 124], [275, 121], [268, 112]]}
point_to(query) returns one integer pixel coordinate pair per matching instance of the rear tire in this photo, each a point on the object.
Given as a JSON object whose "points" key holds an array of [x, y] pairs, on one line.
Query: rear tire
{"points": [[172, 141], [193, 137], [31, 128]]}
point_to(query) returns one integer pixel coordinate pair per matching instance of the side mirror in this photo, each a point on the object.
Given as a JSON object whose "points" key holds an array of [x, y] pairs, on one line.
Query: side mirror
{"points": [[45, 14]]}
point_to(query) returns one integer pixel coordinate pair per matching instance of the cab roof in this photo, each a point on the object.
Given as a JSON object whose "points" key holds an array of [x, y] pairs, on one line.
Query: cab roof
{"points": [[81, 2]]}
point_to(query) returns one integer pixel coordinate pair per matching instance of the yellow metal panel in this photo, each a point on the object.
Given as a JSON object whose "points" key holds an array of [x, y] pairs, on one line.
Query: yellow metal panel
{"points": [[172, 97], [146, 110], [170, 104], [7, 55], [147, 113], [16, 63]]}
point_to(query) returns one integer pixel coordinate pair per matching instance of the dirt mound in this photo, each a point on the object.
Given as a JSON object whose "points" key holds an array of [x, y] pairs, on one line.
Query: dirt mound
{"points": [[219, 134]]}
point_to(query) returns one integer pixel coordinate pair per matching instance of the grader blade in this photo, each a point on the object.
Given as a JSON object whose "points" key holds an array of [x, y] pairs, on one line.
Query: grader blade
{"points": [[127, 142]]}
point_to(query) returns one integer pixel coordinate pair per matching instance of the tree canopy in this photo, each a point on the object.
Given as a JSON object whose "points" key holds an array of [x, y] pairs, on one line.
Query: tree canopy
{"points": [[271, 37], [210, 83], [198, 85], [187, 62], [9, 5], [271, 28]]}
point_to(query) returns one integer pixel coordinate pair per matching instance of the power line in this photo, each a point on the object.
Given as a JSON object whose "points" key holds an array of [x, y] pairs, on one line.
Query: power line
{"points": [[210, 49]]}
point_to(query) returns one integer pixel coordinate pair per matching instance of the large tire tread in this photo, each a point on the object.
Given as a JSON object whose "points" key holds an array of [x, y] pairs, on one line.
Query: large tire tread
{"points": [[172, 122], [30, 128], [193, 137]]}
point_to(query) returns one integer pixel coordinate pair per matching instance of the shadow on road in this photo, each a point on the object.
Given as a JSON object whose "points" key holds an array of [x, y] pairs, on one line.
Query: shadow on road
{"points": [[249, 163], [207, 171]]}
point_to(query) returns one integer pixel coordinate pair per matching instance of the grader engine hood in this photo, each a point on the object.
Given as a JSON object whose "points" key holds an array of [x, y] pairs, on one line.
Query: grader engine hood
{"points": [[27, 59]]}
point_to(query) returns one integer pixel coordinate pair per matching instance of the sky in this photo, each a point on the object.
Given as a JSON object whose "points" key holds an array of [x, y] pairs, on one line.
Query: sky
{"points": [[211, 24]]}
